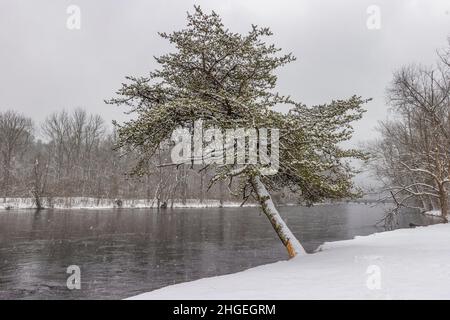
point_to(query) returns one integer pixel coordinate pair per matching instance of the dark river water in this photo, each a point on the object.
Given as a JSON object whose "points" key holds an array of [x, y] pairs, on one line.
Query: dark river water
{"points": [[125, 252]]}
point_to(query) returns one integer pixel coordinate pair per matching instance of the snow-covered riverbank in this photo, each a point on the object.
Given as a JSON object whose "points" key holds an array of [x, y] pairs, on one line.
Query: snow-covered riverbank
{"points": [[94, 203], [400, 264]]}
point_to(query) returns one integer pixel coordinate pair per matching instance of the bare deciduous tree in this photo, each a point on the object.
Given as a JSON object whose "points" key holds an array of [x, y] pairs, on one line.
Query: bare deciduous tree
{"points": [[413, 155], [15, 137]]}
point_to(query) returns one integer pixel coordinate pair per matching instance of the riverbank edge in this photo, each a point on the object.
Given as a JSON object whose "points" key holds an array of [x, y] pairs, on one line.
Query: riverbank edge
{"points": [[87, 203]]}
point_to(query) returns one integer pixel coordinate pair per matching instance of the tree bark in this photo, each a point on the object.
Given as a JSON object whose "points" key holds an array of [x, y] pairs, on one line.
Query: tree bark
{"points": [[443, 199], [288, 239]]}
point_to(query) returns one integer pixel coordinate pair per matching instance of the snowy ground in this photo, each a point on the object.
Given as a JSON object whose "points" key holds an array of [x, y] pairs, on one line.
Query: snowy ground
{"points": [[94, 203], [400, 264], [433, 213]]}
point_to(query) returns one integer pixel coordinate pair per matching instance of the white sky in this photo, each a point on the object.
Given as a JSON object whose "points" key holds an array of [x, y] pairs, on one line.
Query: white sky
{"points": [[45, 67]]}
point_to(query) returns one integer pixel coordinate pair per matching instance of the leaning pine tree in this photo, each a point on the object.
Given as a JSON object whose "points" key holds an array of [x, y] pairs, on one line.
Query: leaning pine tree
{"points": [[227, 80]]}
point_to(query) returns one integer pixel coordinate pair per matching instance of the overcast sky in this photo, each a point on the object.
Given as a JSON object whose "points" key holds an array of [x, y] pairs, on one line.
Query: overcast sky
{"points": [[45, 67]]}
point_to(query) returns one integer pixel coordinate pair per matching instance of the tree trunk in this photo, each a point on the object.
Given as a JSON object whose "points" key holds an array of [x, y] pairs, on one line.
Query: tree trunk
{"points": [[6, 180], [202, 191], [184, 186], [443, 199], [37, 185], [288, 239], [221, 193]]}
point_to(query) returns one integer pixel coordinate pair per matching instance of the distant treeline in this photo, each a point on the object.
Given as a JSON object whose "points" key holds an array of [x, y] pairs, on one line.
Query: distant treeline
{"points": [[73, 156]]}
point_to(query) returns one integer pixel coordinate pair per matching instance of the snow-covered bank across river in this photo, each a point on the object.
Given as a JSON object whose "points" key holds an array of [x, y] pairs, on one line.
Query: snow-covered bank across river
{"points": [[95, 203], [399, 264]]}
